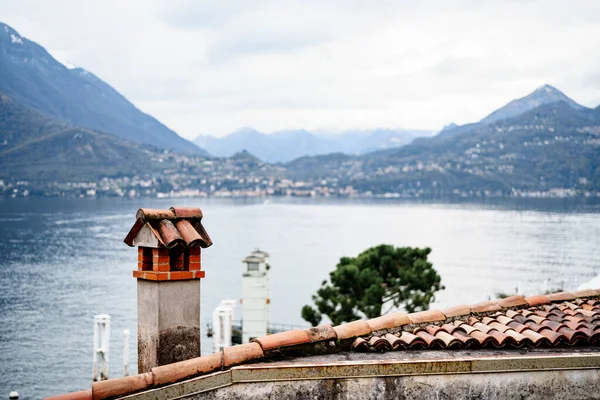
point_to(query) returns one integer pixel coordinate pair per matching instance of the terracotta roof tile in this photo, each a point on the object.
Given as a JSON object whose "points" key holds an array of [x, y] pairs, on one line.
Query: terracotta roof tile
{"points": [[466, 340], [536, 338], [456, 311], [450, 328], [537, 300], [554, 337], [83, 395], [513, 301], [352, 330], [189, 234], [379, 344], [147, 214], [321, 333], [394, 340], [585, 293], [240, 354], [118, 386], [409, 340], [520, 340], [516, 322], [517, 326], [179, 226], [388, 321], [426, 316], [186, 212], [169, 234], [450, 341], [185, 369], [360, 344], [430, 340], [561, 296], [503, 319], [487, 306], [482, 338], [282, 339], [431, 329]]}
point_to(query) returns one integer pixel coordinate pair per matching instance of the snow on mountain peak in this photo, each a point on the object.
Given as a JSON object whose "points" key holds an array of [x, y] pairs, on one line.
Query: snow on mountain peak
{"points": [[16, 39], [62, 60], [14, 35], [69, 65], [547, 89]]}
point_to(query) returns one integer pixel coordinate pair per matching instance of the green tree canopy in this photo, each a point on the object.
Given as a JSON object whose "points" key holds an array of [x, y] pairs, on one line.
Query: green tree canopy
{"points": [[400, 277]]}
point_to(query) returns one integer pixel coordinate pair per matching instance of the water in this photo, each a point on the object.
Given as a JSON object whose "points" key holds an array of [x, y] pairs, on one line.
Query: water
{"points": [[63, 261]]}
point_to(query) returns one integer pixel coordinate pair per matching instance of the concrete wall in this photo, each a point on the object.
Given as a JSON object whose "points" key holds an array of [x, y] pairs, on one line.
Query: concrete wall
{"points": [[542, 385], [572, 374]]}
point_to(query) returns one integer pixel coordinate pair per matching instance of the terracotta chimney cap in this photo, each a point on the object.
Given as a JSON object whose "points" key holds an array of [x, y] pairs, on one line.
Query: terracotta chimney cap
{"points": [[178, 226]]}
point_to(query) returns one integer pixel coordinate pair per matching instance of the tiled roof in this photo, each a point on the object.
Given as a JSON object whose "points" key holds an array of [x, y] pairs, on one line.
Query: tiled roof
{"points": [[177, 226], [548, 324], [556, 320]]}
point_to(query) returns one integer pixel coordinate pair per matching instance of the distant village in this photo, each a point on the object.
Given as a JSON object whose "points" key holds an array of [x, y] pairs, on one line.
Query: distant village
{"points": [[244, 176]]}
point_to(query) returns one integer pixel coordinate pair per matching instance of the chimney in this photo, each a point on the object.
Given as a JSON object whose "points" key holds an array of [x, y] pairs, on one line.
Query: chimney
{"points": [[168, 284]]}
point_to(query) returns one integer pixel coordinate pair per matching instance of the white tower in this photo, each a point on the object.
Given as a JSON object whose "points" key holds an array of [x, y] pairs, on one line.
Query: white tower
{"points": [[256, 308]]}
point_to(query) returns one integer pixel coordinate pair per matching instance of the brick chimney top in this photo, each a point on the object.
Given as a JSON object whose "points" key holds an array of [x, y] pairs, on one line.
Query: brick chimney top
{"points": [[169, 243]]}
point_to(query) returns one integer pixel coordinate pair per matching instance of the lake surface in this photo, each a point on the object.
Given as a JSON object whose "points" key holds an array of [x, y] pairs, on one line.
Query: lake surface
{"points": [[64, 261]]}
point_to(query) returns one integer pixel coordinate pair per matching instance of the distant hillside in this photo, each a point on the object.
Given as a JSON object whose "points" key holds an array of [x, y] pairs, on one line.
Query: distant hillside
{"points": [[321, 167], [38, 148], [553, 148], [33, 77], [287, 145]]}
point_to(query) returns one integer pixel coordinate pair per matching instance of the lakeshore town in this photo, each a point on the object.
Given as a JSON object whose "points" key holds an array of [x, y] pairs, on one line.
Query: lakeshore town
{"points": [[244, 176]]}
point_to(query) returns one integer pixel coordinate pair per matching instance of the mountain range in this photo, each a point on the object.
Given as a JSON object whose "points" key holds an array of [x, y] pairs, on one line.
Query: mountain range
{"points": [[32, 77], [287, 145], [542, 143], [66, 125]]}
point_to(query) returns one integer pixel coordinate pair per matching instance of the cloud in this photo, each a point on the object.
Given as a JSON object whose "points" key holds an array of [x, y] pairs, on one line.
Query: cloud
{"points": [[256, 43], [193, 14], [213, 66]]}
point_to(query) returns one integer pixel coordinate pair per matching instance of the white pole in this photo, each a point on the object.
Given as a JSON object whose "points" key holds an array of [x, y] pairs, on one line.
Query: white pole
{"points": [[126, 352], [101, 345], [95, 370], [226, 316], [105, 346], [216, 321]]}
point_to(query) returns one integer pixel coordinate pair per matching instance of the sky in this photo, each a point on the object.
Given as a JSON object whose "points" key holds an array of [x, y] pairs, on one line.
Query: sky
{"points": [[211, 67]]}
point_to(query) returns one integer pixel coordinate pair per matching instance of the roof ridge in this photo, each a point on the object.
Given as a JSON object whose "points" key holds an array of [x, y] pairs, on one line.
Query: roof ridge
{"points": [[323, 339]]}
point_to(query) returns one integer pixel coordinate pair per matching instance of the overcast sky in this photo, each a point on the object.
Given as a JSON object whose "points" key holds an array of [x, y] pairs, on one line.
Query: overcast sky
{"points": [[214, 66]]}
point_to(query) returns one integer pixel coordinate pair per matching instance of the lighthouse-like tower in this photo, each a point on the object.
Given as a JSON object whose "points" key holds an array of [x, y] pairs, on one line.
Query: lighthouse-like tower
{"points": [[256, 307]]}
